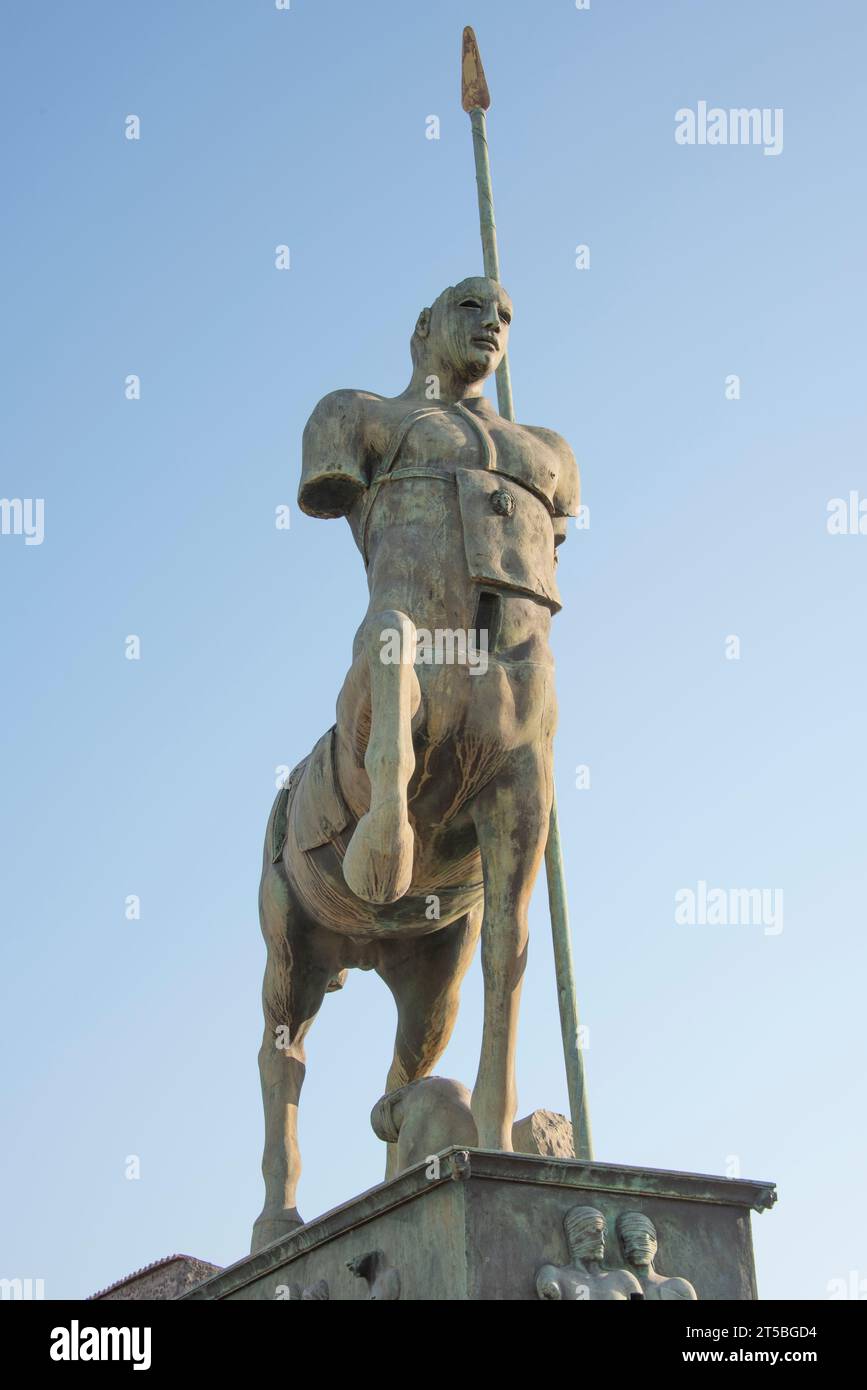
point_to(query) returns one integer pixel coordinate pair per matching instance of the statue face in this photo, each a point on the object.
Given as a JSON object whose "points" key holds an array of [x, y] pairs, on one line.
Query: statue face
{"points": [[639, 1246], [469, 328], [590, 1245]]}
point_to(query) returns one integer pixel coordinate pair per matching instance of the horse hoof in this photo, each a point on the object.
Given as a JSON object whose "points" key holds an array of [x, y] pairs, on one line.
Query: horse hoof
{"points": [[377, 866], [267, 1229]]}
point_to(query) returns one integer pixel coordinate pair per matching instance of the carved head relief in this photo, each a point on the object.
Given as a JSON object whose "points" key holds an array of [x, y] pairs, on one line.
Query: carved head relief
{"points": [[638, 1238], [585, 1233]]}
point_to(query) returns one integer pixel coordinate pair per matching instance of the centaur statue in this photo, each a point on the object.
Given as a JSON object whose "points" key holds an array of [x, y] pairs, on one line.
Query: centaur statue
{"points": [[420, 819]]}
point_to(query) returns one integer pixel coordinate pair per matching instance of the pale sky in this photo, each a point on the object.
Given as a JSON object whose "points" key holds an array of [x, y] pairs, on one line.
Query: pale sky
{"points": [[713, 1048]]}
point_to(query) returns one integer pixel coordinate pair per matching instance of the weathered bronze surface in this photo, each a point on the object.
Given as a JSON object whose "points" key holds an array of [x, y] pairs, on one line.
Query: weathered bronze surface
{"points": [[435, 1113], [436, 778], [640, 1244], [585, 1278]]}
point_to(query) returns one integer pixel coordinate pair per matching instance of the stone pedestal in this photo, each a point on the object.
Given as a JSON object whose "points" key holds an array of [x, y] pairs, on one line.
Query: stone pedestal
{"points": [[476, 1225]]}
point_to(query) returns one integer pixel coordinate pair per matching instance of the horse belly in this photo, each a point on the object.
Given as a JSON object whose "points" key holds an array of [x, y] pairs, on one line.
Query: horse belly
{"points": [[439, 894]]}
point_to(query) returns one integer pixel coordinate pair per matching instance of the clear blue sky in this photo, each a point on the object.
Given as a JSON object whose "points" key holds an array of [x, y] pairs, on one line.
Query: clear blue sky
{"points": [[708, 519]]}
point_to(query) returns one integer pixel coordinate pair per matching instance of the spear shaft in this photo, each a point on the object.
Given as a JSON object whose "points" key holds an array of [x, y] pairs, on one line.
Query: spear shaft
{"points": [[488, 227], [476, 100]]}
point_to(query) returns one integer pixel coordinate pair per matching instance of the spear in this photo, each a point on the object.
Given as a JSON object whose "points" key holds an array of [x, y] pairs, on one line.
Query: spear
{"points": [[476, 99]]}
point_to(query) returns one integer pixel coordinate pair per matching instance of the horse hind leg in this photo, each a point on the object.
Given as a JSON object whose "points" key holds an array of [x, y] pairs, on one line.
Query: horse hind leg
{"points": [[378, 863], [300, 969]]}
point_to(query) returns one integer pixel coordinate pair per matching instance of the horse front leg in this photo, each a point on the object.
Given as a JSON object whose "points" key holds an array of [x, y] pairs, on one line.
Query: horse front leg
{"points": [[511, 819], [378, 863]]}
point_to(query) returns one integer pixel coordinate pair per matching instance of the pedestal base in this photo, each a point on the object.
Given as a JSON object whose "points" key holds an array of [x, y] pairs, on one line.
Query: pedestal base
{"points": [[477, 1225]]}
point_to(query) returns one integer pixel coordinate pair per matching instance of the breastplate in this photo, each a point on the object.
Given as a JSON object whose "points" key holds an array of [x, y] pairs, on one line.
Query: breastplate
{"points": [[505, 511]]}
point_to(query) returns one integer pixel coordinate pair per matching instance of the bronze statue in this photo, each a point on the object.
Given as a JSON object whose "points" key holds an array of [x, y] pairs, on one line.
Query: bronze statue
{"points": [[420, 819]]}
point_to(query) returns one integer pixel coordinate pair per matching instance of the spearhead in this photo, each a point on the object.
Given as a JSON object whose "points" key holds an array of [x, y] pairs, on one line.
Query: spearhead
{"points": [[474, 88]]}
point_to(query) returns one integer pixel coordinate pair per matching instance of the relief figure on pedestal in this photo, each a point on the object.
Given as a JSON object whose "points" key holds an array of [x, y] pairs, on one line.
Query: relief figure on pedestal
{"points": [[639, 1242], [584, 1279]]}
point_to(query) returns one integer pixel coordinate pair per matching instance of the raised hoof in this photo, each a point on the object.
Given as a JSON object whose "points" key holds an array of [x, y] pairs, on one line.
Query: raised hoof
{"points": [[377, 866], [267, 1228]]}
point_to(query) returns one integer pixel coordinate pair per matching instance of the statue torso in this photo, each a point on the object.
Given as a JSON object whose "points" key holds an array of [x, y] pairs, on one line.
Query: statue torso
{"points": [[598, 1285], [452, 434], [667, 1288], [463, 496], [419, 536], [442, 498]]}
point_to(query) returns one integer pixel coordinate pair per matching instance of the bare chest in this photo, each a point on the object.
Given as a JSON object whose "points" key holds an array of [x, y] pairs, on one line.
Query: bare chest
{"points": [[455, 437]]}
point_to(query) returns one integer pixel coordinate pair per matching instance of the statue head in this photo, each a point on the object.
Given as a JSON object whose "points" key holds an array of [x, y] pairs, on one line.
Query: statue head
{"points": [[637, 1235], [465, 332], [585, 1232]]}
